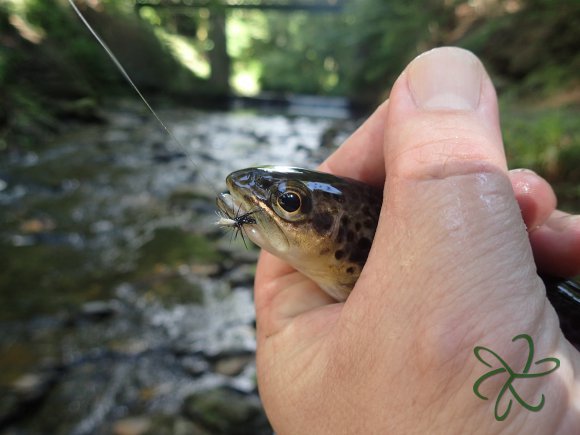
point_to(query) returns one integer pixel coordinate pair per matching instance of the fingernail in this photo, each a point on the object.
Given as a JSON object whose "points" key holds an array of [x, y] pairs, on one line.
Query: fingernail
{"points": [[446, 78], [522, 171]]}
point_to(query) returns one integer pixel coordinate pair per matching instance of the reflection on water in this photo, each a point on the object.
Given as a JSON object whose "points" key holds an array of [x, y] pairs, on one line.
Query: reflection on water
{"points": [[123, 307]]}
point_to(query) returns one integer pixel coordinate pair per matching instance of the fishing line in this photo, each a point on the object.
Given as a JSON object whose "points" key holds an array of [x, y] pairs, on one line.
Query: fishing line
{"points": [[136, 89]]}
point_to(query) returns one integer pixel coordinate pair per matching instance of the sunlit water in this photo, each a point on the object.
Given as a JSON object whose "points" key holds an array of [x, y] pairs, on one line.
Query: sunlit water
{"points": [[120, 297]]}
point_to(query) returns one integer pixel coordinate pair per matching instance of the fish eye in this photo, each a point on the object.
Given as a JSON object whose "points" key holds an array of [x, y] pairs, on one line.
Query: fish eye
{"points": [[290, 201]]}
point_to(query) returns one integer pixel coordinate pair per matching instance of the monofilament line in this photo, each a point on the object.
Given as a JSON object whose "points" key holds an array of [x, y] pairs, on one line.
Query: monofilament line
{"points": [[128, 78]]}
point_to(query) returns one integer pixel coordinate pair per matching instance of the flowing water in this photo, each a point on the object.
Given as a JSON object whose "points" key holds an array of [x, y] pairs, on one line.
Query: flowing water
{"points": [[123, 308]]}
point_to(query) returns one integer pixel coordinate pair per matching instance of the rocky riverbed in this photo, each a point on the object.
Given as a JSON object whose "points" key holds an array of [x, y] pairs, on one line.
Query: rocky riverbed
{"points": [[124, 309]]}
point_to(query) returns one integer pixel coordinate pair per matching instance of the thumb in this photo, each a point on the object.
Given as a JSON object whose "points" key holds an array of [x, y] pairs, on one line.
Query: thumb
{"points": [[451, 248], [451, 267]]}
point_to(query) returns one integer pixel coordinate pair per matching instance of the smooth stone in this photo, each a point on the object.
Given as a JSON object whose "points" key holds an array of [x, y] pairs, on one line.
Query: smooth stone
{"points": [[195, 366], [132, 426], [174, 425], [232, 366], [99, 310], [225, 411]]}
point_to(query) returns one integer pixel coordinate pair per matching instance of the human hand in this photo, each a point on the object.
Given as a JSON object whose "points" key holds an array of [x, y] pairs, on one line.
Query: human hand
{"points": [[451, 268]]}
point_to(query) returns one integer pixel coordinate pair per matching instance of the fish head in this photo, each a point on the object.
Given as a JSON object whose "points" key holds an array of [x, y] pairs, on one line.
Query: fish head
{"points": [[321, 224]]}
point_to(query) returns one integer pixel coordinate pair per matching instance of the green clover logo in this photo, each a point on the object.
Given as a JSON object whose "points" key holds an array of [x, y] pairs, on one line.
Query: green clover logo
{"points": [[512, 376]]}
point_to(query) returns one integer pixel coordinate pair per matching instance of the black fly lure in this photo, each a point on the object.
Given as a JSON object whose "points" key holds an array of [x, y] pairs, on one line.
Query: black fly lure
{"points": [[237, 222]]}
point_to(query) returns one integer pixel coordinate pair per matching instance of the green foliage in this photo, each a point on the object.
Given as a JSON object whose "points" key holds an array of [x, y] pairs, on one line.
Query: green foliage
{"points": [[64, 52], [389, 34], [530, 49], [534, 50], [53, 69], [545, 140], [47, 62], [299, 52]]}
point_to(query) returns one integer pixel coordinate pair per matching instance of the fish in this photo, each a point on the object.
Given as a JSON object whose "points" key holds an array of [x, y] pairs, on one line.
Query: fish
{"points": [[323, 226]]}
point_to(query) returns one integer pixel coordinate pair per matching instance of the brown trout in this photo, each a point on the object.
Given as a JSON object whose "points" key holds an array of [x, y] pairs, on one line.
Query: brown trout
{"points": [[323, 225]]}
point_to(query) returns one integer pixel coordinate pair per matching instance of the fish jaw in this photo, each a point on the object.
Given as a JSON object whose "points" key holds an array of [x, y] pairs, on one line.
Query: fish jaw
{"points": [[264, 232]]}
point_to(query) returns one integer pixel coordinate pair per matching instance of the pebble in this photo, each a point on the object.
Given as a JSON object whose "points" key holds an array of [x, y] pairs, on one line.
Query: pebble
{"points": [[174, 425], [225, 411], [195, 366], [132, 426], [233, 366], [98, 310], [30, 384]]}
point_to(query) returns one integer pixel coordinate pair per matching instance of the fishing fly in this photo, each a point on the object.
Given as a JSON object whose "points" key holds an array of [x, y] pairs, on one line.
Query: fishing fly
{"points": [[236, 222]]}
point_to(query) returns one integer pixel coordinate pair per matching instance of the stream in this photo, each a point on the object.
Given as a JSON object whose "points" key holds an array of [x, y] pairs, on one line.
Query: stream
{"points": [[124, 308]]}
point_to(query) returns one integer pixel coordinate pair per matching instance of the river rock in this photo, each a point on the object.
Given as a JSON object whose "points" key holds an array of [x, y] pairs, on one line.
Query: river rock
{"points": [[195, 365], [10, 407], [100, 310], [234, 365], [243, 275], [37, 225], [225, 411], [174, 425], [31, 385], [132, 426], [116, 136]]}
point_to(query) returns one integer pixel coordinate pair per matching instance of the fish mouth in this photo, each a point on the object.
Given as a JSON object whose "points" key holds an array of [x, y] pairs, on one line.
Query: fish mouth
{"points": [[233, 205], [260, 227], [229, 205]]}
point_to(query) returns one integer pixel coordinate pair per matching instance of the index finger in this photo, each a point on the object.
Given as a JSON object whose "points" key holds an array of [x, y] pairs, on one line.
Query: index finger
{"points": [[361, 155]]}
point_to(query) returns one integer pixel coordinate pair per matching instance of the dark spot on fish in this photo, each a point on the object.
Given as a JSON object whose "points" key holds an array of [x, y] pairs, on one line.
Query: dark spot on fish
{"points": [[366, 210], [357, 226], [339, 254], [360, 251], [322, 222], [364, 243], [350, 236], [369, 223], [345, 221], [350, 270], [340, 235]]}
